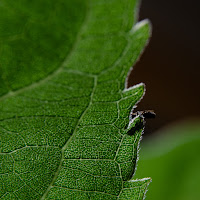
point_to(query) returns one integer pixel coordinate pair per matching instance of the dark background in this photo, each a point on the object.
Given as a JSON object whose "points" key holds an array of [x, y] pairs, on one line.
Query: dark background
{"points": [[170, 65]]}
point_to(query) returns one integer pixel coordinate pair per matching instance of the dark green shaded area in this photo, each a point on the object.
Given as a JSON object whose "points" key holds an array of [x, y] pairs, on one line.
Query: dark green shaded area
{"points": [[35, 38]]}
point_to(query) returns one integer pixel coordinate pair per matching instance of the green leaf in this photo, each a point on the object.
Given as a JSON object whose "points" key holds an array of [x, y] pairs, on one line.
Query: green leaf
{"points": [[172, 160], [64, 110]]}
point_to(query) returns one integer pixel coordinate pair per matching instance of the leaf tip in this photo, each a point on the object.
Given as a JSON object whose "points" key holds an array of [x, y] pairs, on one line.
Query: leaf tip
{"points": [[143, 24]]}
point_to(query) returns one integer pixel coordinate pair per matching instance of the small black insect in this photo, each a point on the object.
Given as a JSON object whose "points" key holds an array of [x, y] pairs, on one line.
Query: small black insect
{"points": [[141, 122], [144, 114]]}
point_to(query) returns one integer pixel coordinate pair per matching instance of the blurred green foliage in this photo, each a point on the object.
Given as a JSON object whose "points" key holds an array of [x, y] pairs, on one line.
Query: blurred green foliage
{"points": [[172, 161]]}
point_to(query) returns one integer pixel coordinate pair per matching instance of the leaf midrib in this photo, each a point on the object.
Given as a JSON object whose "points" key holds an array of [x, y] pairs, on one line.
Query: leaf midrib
{"points": [[54, 74], [95, 77]]}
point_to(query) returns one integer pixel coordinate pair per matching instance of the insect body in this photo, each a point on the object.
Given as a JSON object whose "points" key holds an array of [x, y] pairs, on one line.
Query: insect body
{"points": [[144, 114], [137, 120]]}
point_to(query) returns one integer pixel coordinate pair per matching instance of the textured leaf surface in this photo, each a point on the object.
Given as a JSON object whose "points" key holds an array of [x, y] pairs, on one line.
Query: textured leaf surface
{"points": [[64, 109]]}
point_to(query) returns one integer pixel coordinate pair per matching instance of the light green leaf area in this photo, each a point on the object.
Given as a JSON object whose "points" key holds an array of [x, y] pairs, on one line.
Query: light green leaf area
{"points": [[172, 160], [64, 107]]}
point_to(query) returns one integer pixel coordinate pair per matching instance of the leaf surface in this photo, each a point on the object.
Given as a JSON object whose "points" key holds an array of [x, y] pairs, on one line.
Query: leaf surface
{"points": [[64, 110]]}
